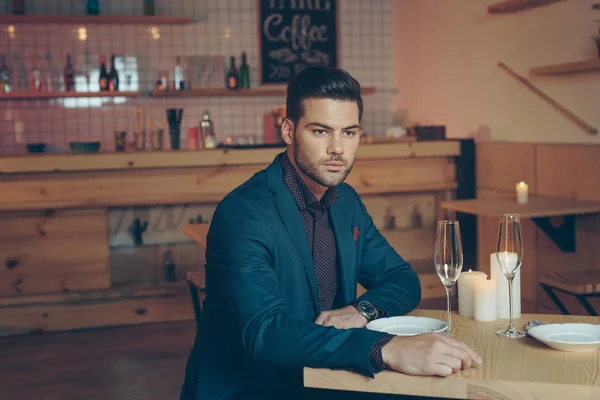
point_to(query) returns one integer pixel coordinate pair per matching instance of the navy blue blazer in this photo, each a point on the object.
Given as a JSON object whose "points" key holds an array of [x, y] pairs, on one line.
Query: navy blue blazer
{"points": [[256, 332]]}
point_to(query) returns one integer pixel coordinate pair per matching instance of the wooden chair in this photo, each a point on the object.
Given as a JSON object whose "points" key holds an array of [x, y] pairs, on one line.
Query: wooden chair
{"points": [[581, 284], [195, 279]]}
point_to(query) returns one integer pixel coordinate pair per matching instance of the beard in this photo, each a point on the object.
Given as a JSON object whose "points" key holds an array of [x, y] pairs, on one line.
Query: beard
{"points": [[313, 171]]}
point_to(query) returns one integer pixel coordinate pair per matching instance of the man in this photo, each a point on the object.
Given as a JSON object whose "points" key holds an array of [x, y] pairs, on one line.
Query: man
{"points": [[285, 251]]}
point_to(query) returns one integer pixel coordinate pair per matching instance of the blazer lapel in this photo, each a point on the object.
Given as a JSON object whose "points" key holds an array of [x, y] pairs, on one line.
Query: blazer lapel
{"points": [[346, 249], [290, 216]]}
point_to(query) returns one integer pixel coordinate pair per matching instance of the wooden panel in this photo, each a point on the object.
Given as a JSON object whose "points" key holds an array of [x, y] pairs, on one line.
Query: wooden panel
{"points": [[576, 282], [204, 158], [487, 240], [113, 310], [134, 265], [569, 171], [210, 184], [500, 166], [58, 252], [393, 176], [511, 369], [568, 68]]}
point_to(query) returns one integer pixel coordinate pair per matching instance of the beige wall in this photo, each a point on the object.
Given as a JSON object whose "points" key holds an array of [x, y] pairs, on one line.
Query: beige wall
{"points": [[445, 56]]}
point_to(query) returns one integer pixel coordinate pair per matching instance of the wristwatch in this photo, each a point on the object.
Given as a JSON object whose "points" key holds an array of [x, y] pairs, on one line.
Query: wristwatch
{"points": [[367, 310]]}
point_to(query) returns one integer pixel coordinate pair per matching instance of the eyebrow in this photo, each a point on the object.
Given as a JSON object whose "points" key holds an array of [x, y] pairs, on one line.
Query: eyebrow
{"points": [[330, 128]]}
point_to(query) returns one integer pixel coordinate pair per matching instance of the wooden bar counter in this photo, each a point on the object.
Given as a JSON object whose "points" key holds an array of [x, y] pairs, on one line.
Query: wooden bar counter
{"points": [[515, 369], [57, 268]]}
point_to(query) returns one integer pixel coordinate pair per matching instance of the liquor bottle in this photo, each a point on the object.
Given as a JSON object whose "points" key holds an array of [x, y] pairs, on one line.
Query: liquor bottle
{"points": [[178, 78], [244, 73], [233, 77], [103, 80], [113, 76], [36, 75], [93, 8], [148, 7], [207, 131], [51, 75], [5, 76], [69, 75], [18, 6], [170, 269]]}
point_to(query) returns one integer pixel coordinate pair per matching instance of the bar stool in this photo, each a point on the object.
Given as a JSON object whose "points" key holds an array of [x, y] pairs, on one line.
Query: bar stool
{"points": [[581, 284]]}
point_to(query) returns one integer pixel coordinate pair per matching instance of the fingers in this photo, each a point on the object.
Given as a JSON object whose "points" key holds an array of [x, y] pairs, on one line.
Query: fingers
{"points": [[322, 318], [460, 354], [450, 361], [461, 345], [441, 370]]}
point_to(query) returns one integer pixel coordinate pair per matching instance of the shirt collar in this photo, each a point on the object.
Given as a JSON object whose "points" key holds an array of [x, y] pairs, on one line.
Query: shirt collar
{"points": [[304, 197]]}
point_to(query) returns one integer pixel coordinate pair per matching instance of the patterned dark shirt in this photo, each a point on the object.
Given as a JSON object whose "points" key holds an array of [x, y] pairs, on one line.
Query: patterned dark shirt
{"points": [[321, 241]]}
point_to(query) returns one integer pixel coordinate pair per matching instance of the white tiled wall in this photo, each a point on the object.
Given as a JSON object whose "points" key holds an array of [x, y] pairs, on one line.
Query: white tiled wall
{"points": [[221, 27]]}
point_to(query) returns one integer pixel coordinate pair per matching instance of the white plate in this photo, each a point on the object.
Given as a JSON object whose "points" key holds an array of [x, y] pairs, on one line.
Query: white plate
{"points": [[568, 337], [407, 326]]}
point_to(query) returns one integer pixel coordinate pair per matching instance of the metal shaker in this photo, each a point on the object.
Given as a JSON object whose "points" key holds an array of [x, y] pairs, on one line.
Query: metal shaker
{"points": [[207, 131]]}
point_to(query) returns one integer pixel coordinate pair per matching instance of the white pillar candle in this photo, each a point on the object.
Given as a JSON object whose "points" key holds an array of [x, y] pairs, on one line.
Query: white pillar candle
{"points": [[484, 291], [465, 292], [522, 192], [502, 301]]}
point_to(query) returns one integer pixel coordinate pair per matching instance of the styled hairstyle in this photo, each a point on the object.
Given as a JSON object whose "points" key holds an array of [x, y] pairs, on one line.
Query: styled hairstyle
{"points": [[321, 83]]}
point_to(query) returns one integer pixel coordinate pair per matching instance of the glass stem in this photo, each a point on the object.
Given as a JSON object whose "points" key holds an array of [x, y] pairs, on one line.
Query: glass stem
{"points": [[511, 327], [448, 306]]}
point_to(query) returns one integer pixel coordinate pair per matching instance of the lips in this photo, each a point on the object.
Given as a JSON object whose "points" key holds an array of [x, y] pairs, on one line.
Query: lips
{"points": [[335, 166]]}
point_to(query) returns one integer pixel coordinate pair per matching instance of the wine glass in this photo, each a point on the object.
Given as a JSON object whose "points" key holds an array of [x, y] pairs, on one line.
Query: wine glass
{"points": [[510, 256], [448, 258]]}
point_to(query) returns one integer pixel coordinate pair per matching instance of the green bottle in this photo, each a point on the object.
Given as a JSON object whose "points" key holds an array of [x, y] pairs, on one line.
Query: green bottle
{"points": [[244, 73]]}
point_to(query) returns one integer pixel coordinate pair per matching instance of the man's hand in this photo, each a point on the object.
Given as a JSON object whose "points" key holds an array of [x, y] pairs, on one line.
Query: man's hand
{"points": [[428, 354], [344, 318]]}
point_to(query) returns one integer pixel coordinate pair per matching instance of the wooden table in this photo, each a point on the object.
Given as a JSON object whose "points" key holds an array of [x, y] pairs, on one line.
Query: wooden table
{"points": [[515, 369], [536, 207], [197, 232], [539, 208]]}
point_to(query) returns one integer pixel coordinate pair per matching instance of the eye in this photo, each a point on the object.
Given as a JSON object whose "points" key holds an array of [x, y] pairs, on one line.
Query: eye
{"points": [[320, 132], [350, 133]]}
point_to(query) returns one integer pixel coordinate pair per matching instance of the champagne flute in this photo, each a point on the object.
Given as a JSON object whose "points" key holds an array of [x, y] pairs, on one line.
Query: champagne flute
{"points": [[448, 258], [510, 256]]}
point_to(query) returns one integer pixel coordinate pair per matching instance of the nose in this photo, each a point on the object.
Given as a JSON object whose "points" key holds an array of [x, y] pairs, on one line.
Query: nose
{"points": [[335, 145]]}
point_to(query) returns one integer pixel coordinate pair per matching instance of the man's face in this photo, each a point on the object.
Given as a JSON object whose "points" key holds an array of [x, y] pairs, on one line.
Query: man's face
{"points": [[326, 139]]}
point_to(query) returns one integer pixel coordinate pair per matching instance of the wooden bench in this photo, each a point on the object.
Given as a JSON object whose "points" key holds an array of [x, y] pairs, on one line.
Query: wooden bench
{"points": [[581, 284]]}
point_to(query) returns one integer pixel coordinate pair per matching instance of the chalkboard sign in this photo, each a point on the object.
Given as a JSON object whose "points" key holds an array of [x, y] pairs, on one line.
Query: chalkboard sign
{"points": [[295, 34]]}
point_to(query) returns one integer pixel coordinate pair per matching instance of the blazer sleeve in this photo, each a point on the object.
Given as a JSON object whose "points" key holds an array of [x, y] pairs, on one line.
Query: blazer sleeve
{"points": [[239, 258], [391, 283]]}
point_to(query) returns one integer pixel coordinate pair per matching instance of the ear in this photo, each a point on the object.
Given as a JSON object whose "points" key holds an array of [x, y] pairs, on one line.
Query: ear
{"points": [[287, 131]]}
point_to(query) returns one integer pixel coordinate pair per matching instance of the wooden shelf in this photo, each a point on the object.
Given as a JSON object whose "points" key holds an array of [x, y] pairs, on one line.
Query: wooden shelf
{"points": [[567, 68], [215, 92], [512, 6], [94, 19], [63, 95], [142, 160]]}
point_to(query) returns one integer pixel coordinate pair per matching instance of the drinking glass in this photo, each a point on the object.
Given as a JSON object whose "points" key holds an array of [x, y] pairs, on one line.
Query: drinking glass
{"points": [[448, 258], [510, 256]]}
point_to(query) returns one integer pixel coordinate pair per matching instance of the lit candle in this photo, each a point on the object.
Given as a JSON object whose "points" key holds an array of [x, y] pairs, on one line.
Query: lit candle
{"points": [[502, 301], [465, 292], [522, 192], [484, 291]]}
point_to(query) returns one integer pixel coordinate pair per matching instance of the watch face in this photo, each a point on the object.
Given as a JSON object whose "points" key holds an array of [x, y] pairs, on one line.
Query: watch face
{"points": [[368, 309]]}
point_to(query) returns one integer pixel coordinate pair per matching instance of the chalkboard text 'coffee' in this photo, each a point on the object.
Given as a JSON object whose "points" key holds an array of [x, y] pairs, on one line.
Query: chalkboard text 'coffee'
{"points": [[296, 34]]}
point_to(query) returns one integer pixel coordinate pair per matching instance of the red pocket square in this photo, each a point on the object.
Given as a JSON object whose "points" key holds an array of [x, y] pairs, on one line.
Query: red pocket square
{"points": [[355, 233]]}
